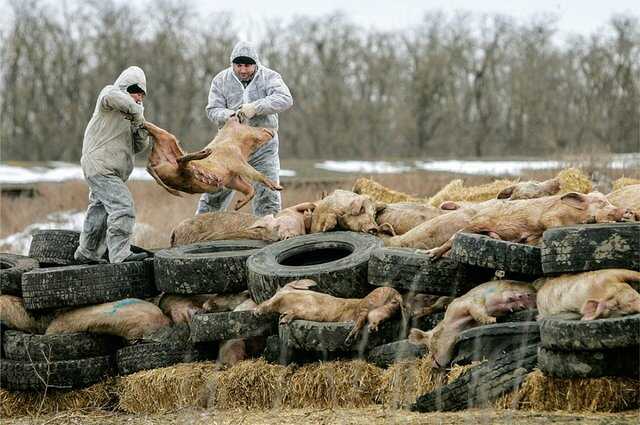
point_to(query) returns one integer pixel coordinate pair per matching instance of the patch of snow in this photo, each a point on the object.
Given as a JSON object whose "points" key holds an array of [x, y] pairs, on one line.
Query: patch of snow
{"points": [[377, 167], [287, 173], [488, 167]]}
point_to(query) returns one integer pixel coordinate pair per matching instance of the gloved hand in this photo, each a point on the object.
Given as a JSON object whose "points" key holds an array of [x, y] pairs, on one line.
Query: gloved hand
{"points": [[228, 113], [248, 110]]}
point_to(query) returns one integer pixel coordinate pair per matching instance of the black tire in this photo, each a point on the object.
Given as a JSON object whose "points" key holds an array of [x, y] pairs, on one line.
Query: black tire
{"points": [[155, 355], [12, 267], [54, 247], [426, 323], [492, 341], [529, 315], [208, 267], [387, 354], [590, 364], [82, 285], [481, 384], [599, 334], [306, 335], [336, 261], [40, 348], [483, 251], [23, 375], [591, 247], [411, 269], [232, 324]]}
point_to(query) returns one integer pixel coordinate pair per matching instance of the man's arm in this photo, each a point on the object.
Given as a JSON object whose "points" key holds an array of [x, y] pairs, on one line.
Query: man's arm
{"points": [[117, 100], [216, 108], [140, 138], [278, 97]]}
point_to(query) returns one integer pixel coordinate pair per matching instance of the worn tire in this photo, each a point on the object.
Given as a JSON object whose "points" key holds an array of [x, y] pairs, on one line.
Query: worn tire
{"points": [[599, 334], [306, 335], [12, 267], [207, 267], [155, 355], [591, 247], [54, 247], [411, 269], [386, 354], [481, 384], [590, 364], [232, 324], [23, 375], [83, 285], [336, 261], [483, 251], [41, 348], [492, 341]]}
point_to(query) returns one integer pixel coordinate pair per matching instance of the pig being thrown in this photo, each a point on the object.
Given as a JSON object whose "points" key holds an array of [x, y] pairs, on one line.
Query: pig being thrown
{"points": [[296, 301], [222, 163], [593, 295], [479, 306], [347, 211], [524, 221], [130, 318]]}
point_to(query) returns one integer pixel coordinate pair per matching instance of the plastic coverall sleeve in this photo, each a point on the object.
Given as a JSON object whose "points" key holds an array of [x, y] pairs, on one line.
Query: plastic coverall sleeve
{"points": [[278, 97], [118, 100], [140, 138], [217, 106]]}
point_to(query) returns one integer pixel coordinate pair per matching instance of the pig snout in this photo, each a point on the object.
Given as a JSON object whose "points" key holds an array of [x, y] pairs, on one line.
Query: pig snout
{"points": [[610, 214]]}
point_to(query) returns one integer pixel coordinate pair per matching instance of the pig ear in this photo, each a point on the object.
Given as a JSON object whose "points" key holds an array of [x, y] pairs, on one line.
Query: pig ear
{"points": [[591, 309], [506, 192], [418, 337], [575, 200], [449, 205], [301, 284], [356, 206]]}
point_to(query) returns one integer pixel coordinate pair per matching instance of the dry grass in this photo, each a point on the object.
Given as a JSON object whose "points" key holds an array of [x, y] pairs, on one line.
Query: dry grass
{"points": [[378, 192], [403, 382], [457, 191], [165, 389], [624, 181], [541, 392], [22, 403], [574, 180]]}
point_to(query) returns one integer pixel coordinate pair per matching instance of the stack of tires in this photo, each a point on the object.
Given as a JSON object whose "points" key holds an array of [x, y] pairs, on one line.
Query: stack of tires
{"points": [[593, 348]]}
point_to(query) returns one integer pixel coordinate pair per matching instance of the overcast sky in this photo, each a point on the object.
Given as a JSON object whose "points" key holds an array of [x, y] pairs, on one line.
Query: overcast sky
{"points": [[574, 16]]}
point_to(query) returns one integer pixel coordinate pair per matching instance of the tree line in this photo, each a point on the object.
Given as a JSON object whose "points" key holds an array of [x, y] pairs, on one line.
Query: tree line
{"points": [[454, 85]]}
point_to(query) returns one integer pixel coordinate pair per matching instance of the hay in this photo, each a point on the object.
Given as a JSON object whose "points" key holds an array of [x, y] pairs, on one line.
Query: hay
{"points": [[380, 193], [624, 181], [21, 403], [574, 180], [541, 392], [251, 384], [404, 381], [457, 371], [164, 389], [335, 384], [455, 191]]}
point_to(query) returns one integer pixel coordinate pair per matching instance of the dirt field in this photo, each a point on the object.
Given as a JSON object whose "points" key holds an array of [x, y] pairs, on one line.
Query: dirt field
{"points": [[364, 416]]}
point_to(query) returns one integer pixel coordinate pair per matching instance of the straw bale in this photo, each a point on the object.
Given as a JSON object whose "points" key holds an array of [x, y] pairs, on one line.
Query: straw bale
{"points": [[334, 384], [457, 371], [250, 384], [456, 191], [624, 181], [380, 193], [542, 392], [165, 389], [404, 381], [30, 403], [574, 180]]}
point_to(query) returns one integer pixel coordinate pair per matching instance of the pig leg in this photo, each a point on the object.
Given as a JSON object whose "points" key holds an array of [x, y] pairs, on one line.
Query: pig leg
{"points": [[287, 317], [184, 159], [387, 228], [480, 315], [442, 249], [251, 173], [357, 327], [240, 184]]}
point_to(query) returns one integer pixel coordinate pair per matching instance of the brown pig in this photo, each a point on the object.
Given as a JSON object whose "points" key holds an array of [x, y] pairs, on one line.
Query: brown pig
{"points": [[595, 294], [399, 218], [222, 163], [15, 316], [182, 308], [235, 350], [530, 190], [627, 197], [419, 305], [524, 221], [438, 230], [130, 318], [208, 226], [347, 211], [295, 301], [479, 306]]}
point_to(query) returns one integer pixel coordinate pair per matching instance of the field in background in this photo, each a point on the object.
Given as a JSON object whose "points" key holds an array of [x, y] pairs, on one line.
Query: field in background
{"points": [[157, 212]]}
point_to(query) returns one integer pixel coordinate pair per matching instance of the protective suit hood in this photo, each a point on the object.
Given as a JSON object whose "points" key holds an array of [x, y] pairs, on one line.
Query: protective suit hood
{"points": [[244, 48], [130, 76]]}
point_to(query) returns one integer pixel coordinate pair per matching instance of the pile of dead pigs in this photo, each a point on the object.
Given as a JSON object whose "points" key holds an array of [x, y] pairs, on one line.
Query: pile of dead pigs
{"points": [[358, 298]]}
